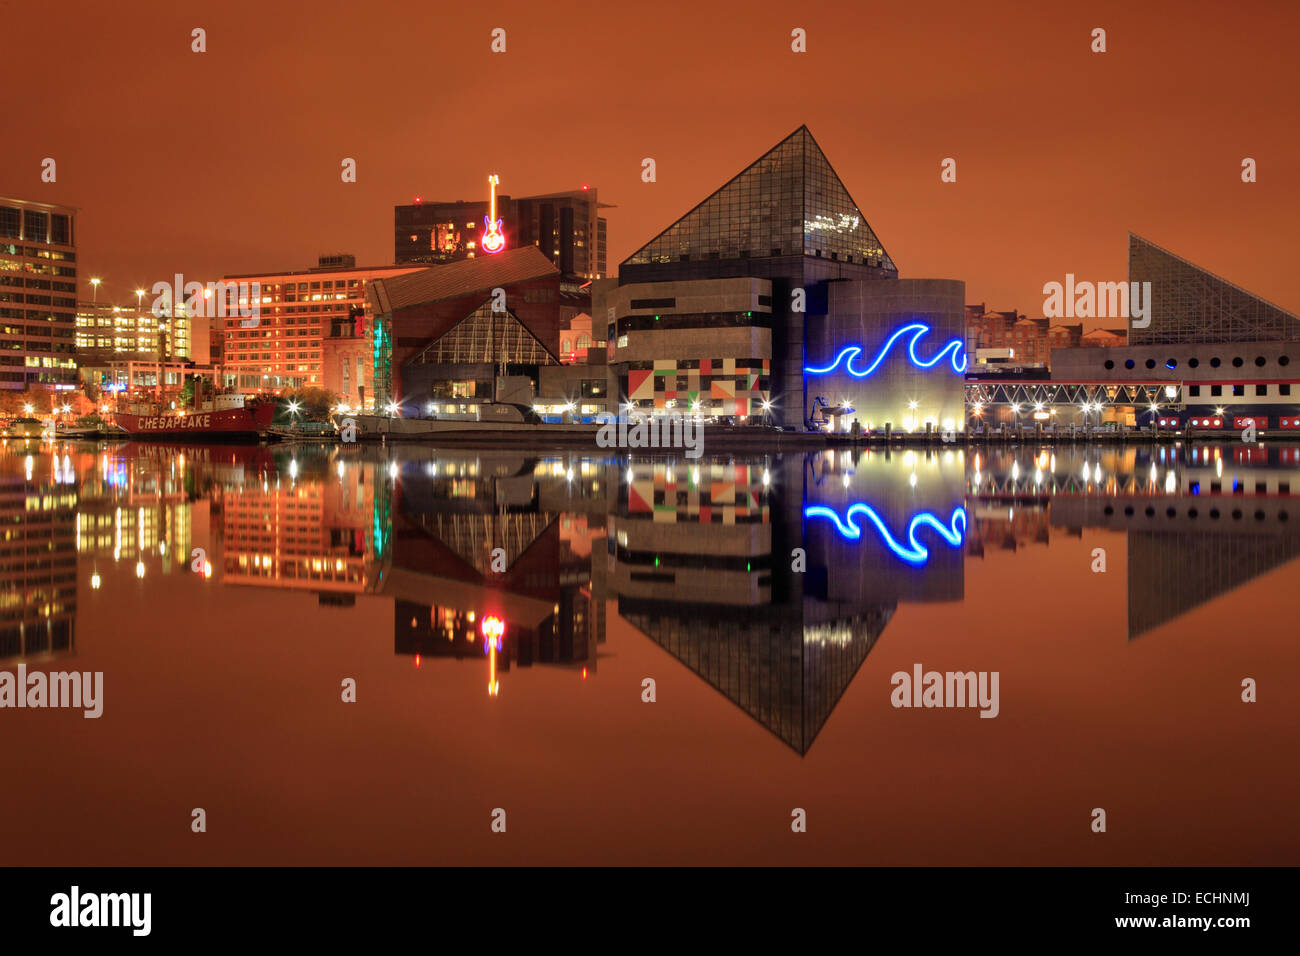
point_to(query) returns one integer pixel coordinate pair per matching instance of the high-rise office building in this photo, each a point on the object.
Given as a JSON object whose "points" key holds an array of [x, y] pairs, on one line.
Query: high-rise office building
{"points": [[565, 226], [38, 295], [136, 331]]}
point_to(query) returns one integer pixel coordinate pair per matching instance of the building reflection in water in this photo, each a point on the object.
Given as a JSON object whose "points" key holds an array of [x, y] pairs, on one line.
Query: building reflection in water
{"points": [[309, 523], [732, 570], [134, 509], [38, 553], [506, 538], [1200, 521], [770, 577]]}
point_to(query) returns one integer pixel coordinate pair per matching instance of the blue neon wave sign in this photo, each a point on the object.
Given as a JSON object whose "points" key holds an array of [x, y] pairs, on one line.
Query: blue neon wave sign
{"points": [[913, 552], [918, 331]]}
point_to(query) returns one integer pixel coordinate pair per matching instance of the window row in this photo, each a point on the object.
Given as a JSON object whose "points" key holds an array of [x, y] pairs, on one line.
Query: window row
{"points": [[1215, 362], [1216, 391]]}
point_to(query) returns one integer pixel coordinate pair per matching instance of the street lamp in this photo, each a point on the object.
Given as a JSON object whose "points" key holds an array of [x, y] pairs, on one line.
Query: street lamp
{"points": [[94, 287]]}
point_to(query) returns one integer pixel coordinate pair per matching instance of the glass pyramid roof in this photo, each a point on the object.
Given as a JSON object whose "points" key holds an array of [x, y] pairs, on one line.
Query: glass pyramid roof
{"points": [[788, 202], [1192, 305]]}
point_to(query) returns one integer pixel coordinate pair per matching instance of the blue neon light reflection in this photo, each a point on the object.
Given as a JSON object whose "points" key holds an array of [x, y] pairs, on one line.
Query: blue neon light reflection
{"points": [[918, 330], [914, 553]]}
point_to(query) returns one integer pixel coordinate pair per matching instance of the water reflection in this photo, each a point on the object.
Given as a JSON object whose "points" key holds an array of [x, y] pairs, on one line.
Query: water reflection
{"points": [[1199, 522], [772, 578]]}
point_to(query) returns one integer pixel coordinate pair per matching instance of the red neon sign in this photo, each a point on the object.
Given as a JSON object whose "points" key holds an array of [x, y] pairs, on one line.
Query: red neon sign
{"points": [[494, 239]]}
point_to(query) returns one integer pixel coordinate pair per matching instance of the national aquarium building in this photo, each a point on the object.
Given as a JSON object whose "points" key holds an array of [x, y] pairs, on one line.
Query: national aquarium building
{"points": [[774, 301]]}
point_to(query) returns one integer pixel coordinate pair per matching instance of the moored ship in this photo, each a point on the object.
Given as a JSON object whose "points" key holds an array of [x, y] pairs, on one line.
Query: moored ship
{"points": [[223, 416]]}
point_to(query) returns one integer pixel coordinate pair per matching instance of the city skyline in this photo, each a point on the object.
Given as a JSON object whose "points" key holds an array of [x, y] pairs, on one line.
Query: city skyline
{"points": [[139, 220]]}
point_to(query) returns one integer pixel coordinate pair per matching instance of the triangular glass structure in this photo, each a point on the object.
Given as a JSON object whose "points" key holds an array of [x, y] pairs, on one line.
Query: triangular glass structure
{"points": [[1171, 573], [788, 202], [484, 336], [1191, 305], [786, 673], [474, 537]]}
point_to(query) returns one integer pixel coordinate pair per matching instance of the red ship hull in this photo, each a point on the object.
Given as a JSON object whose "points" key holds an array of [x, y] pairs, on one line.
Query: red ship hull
{"points": [[227, 423]]}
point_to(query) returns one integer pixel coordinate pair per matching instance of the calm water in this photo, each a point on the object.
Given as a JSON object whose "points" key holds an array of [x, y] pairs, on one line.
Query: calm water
{"points": [[226, 593]]}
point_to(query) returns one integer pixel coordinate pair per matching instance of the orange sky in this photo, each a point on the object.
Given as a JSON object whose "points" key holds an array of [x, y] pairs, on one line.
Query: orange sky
{"points": [[228, 161]]}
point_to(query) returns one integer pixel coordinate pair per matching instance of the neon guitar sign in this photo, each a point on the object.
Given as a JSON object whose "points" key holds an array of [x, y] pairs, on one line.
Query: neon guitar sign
{"points": [[493, 240]]}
